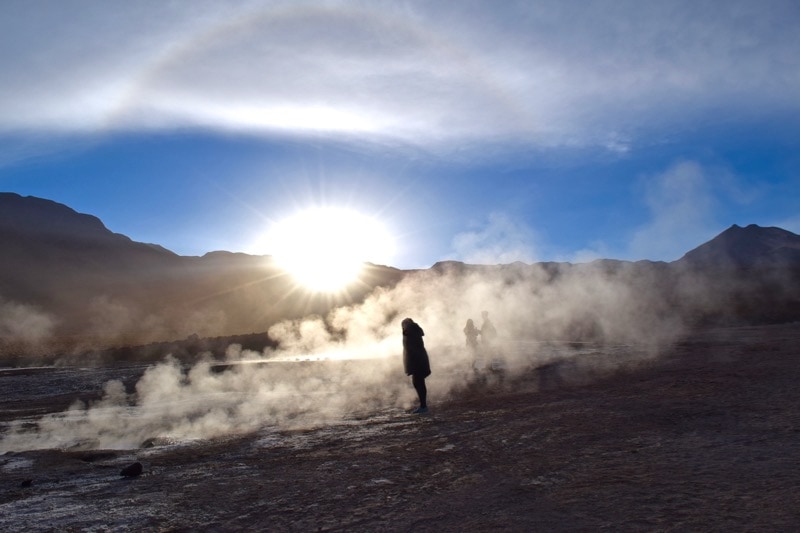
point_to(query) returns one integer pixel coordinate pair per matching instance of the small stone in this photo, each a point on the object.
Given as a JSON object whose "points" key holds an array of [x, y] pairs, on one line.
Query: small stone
{"points": [[132, 470]]}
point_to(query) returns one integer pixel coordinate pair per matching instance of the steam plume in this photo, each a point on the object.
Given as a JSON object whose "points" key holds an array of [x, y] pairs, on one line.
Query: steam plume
{"points": [[355, 352]]}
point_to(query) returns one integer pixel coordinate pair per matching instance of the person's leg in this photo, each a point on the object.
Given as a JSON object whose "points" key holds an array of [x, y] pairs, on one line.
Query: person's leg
{"points": [[422, 391]]}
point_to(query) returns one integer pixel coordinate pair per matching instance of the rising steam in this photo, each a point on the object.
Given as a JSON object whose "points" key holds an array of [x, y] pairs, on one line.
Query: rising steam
{"points": [[24, 322], [327, 368]]}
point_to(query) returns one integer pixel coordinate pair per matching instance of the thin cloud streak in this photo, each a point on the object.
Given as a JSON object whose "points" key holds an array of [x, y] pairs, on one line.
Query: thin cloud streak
{"points": [[542, 73]]}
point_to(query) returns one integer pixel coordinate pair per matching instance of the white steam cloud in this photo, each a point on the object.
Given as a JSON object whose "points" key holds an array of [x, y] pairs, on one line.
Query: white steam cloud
{"points": [[501, 240], [682, 207], [24, 323], [349, 362]]}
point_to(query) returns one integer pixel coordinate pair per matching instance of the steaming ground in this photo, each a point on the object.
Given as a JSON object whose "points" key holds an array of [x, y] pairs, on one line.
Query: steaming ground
{"points": [[360, 346], [170, 402], [598, 415], [590, 436]]}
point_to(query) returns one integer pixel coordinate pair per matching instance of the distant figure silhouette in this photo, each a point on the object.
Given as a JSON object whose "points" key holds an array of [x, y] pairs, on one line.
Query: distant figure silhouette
{"points": [[415, 361], [471, 333], [488, 331], [496, 363]]}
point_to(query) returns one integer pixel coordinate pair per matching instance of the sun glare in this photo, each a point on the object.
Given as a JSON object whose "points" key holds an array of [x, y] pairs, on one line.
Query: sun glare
{"points": [[325, 248]]}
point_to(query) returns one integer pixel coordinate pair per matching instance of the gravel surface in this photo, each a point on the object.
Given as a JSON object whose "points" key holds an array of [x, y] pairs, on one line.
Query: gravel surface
{"points": [[704, 438]]}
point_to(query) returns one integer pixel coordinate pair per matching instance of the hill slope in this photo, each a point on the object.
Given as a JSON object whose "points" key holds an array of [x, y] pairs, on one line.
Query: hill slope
{"points": [[747, 247], [65, 276], [93, 283]]}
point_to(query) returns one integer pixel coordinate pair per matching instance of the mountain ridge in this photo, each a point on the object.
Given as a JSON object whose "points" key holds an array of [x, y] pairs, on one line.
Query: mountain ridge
{"points": [[91, 283], [31, 215], [68, 265], [747, 246]]}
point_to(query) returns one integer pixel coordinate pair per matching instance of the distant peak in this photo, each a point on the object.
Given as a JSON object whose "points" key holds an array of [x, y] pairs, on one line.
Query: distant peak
{"points": [[750, 227], [746, 246]]}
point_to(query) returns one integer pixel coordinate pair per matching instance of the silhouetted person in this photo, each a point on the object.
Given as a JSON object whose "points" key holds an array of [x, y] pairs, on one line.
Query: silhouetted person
{"points": [[471, 333], [496, 364], [488, 331], [415, 361]]}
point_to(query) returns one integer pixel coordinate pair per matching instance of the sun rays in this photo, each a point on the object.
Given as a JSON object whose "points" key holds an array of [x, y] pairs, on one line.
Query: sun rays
{"points": [[324, 248]]}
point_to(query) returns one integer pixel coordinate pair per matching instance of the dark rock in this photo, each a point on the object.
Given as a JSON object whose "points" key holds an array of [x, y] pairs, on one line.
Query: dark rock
{"points": [[132, 470], [27, 483]]}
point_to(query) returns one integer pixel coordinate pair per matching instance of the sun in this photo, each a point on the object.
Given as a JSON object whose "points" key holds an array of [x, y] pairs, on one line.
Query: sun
{"points": [[325, 248]]}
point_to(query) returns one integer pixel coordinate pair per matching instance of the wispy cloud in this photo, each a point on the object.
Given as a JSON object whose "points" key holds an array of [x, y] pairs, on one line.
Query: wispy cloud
{"points": [[544, 72]]}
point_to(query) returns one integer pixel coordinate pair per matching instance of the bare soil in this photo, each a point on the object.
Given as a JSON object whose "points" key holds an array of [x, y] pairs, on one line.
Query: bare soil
{"points": [[705, 438]]}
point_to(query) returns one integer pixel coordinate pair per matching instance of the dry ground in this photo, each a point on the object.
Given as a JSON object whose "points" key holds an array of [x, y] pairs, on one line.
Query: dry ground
{"points": [[707, 438]]}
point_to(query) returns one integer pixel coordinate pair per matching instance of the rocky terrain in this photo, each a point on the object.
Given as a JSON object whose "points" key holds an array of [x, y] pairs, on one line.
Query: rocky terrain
{"points": [[142, 390], [705, 437]]}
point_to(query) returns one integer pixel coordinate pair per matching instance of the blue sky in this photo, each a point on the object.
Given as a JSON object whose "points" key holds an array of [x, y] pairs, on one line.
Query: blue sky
{"points": [[486, 132]]}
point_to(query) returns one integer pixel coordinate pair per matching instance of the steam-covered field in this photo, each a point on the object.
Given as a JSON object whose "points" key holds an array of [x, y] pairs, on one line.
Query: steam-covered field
{"points": [[703, 436], [122, 407]]}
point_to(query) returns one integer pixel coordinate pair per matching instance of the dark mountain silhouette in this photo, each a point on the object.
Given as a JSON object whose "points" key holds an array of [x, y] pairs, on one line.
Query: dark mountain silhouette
{"points": [[103, 287], [744, 274], [747, 247], [66, 274]]}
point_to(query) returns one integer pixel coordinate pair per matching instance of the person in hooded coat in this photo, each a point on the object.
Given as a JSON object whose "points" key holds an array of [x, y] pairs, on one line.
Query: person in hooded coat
{"points": [[415, 361]]}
